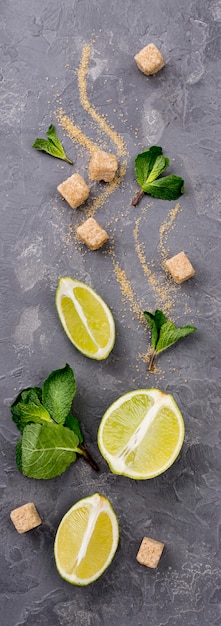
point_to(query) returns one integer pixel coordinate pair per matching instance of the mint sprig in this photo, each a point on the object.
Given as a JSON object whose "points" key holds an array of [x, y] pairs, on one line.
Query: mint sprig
{"points": [[51, 435], [149, 165], [52, 145], [164, 333]]}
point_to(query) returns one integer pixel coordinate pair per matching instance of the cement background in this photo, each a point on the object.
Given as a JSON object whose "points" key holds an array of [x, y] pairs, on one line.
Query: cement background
{"points": [[179, 109]]}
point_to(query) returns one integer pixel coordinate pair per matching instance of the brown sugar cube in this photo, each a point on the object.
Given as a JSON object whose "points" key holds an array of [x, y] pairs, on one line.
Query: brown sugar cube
{"points": [[180, 267], [103, 166], [149, 60], [74, 190], [25, 517], [150, 552], [91, 233]]}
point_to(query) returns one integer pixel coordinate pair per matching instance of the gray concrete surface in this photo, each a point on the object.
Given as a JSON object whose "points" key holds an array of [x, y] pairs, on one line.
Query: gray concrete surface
{"points": [[41, 48]]}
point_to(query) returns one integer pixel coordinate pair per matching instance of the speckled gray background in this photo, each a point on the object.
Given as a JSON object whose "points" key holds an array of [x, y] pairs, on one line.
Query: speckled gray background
{"points": [[41, 46]]}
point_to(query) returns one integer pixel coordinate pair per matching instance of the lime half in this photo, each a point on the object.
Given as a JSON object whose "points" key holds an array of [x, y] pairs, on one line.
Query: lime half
{"points": [[141, 433]]}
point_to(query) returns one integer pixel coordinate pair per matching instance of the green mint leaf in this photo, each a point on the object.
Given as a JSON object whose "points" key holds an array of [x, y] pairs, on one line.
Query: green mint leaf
{"points": [[23, 414], [19, 454], [170, 334], [72, 422], [160, 165], [47, 146], [155, 321], [28, 408], [52, 136], [58, 392], [50, 148], [166, 188], [144, 163], [47, 450], [52, 145], [31, 395]]}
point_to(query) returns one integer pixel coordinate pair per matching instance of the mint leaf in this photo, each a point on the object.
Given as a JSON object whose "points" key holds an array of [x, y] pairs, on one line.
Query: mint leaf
{"points": [[48, 146], [28, 408], [155, 321], [144, 163], [160, 165], [169, 335], [149, 165], [52, 145], [25, 413], [73, 423], [18, 454], [52, 136], [31, 395], [164, 333], [58, 392], [47, 450], [166, 188]]}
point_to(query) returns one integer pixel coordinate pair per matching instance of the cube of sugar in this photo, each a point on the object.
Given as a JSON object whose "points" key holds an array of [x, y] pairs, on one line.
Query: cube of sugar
{"points": [[150, 552], [103, 166], [25, 517], [149, 60], [92, 234], [74, 190], [180, 267]]}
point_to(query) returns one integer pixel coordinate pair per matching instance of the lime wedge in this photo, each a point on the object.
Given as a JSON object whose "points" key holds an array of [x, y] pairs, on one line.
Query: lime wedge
{"points": [[86, 540], [85, 317]]}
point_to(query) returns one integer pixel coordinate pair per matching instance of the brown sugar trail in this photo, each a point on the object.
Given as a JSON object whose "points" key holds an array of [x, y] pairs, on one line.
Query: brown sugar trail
{"points": [[97, 117]]}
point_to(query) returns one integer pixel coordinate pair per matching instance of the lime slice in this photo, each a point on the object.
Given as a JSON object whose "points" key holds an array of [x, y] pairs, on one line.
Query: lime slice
{"points": [[86, 319], [86, 540], [141, 434]]}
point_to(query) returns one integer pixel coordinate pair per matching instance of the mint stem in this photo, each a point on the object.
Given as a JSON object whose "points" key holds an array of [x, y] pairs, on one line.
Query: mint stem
{"points": [[87, 457], [137, 197], [151, 361]]}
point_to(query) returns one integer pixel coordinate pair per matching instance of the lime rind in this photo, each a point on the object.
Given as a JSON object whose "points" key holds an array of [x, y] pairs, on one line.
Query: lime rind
{"points": [[101, 504], [116, 464], [66, 284]]}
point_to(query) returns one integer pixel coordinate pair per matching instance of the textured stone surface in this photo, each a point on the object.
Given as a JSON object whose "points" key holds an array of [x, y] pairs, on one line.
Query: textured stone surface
{"points": [[179, 108]]}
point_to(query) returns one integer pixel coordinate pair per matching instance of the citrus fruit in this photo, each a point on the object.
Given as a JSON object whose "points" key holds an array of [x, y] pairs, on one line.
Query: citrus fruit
{"points": [[141, 433], [86, 540], [85, 317]]}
